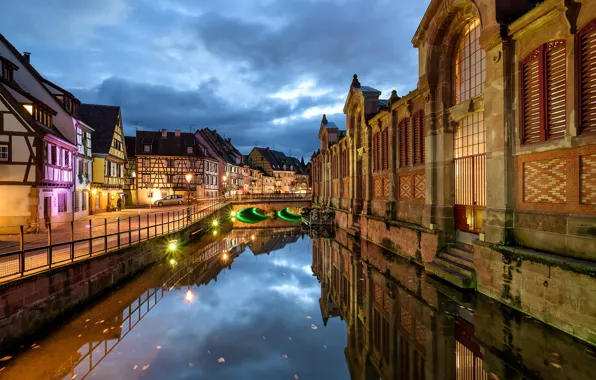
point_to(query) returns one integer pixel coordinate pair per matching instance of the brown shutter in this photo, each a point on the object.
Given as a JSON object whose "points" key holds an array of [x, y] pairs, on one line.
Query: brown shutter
{"points": [[555, 90], [422, 147], [386, 149], [403, 143], [418, 131], [531, 97], [587, 46]]}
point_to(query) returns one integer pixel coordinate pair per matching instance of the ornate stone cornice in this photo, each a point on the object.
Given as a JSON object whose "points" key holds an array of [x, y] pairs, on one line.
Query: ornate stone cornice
{"points": [[459, 111], [536, 18]]}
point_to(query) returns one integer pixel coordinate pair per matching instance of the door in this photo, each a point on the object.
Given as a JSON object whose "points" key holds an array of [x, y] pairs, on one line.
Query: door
{"points": [[470, 173], [47, 210]]}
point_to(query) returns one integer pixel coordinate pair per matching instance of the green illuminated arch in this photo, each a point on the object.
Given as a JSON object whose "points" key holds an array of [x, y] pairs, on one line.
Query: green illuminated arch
{"points": [[289, 216], [250, 215]]}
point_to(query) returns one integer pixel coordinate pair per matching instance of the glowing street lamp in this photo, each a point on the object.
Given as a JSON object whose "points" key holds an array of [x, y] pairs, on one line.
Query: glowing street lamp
{"points": [[188, 179], [224, 256], [172, 245], [215, 223]]}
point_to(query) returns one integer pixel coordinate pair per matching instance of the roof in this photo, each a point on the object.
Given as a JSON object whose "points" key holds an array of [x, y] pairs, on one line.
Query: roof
{"points": [[221, 146], [130, 142], [278, 159], [368, 89], [331, 125], [104, 120], [171, 145]]}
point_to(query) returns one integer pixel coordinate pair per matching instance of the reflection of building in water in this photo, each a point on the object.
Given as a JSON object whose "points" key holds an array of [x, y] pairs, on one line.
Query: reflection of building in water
{"points": [[403, 325], [266, 240]]}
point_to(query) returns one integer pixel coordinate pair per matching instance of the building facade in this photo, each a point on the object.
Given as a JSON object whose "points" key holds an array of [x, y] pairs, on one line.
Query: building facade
{"points": [[109, 156], [288, 172], [483, 173], [163, 161], [37, 147]]}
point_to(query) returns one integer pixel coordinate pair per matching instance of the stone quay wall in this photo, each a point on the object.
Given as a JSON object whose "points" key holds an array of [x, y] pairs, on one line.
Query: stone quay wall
{"points": [[30, 303]]}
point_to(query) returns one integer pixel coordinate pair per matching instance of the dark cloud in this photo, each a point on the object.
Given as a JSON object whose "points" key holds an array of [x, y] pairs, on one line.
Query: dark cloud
{"points": [[171, 64]]}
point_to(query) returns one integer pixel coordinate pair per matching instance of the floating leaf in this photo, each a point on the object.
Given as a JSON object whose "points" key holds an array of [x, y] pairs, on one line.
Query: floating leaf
{"points": [[285, 356], [135, 367], [308, 317], [221, 360], [5, 358], [295, 377], [314, 327], [158, 347], [191, 364], [146, 367], [106, 330], [80, 335], [555, 365]]}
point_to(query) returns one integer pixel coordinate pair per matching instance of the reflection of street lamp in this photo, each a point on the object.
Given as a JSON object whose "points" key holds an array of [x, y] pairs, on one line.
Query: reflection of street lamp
{"points": [[189, 296], [188, 179]]}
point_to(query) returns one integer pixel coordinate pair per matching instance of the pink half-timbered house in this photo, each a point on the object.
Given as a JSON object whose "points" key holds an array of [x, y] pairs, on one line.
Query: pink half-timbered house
{"points": [[37, 148]]}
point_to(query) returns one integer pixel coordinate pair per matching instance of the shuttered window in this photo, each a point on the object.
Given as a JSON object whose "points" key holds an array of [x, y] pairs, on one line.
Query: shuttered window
{"points": [[385, 142], [403, 143], [543, 93], [587, 57], [418, 134], [376, 152]]}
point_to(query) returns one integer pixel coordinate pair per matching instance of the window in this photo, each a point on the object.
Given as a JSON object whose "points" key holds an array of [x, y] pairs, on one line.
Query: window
{"points": [[404, 145], [147, 148], [62, 202], [3, 152], [418, 134], [66, 158], [84, 196], [189, 149], [376, 153], [76, 201], [587, 63], [117, 144], [543, 93], [53, 155], [385, 149], [7, 70], [470, 64]]}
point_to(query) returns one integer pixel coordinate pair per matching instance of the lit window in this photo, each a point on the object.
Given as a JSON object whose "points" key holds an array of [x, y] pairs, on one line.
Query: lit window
{"points": [[189, 149], [3, 152], [470, 64], [29, 108], [146, 148]]}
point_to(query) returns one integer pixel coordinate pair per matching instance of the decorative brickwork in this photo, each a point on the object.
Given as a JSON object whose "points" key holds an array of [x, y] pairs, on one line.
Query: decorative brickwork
{"points": [[588, 179], [406, 321], [545, 181], [405, 187], [385, 187], [420, 333], [419, 186], [378, 188]]}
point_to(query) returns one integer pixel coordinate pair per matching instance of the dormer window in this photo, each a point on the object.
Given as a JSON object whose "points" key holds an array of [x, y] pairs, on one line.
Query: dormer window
{"points": [[8, 69], [147, 148], [189, 149]]}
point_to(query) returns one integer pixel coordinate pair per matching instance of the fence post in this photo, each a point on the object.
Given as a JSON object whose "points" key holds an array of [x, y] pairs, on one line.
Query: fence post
{"points": [[155, 223], [105, 234], [129, 234], [139, 229], [162, 222], [72, 244], [118, 232], [50, 245], [147, 226], [22, 248], [90, 237], [168, 222]]}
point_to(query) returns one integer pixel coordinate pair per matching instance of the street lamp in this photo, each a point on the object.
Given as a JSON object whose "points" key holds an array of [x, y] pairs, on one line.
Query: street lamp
{"points": [[188, 179]]}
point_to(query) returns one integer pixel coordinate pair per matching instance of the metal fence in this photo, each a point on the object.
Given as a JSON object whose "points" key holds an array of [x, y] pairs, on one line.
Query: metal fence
{"points": [[273, 196], [64, 243]]}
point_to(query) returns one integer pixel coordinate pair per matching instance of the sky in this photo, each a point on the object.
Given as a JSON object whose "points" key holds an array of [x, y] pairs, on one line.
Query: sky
{"points": [[261, 72]]}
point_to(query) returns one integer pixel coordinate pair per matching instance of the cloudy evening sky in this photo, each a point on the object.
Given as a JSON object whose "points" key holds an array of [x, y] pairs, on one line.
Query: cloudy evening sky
{"points": [[259, 71]]}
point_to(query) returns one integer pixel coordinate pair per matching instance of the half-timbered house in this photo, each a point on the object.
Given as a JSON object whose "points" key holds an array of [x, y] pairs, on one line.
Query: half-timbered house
{"points": [[37, 147], [228, 157], [163, 161], [109, 156], [130, 171]]}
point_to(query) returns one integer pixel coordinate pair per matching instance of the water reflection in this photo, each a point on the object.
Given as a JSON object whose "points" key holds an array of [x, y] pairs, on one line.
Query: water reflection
{"points": [[364, 316], [405, 325]]}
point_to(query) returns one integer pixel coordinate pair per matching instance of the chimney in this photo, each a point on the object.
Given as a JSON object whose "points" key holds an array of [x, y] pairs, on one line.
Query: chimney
{"points": [[27, 56], [267, 148], [164, 133], [177, 132]]}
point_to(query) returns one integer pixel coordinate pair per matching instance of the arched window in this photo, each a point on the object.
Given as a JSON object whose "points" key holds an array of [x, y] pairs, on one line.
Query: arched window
{"points": [[469, 63]]}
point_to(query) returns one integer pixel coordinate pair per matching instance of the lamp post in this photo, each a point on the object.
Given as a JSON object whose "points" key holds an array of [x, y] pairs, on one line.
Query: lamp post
{"points": [[225, 183], [188, 179]]}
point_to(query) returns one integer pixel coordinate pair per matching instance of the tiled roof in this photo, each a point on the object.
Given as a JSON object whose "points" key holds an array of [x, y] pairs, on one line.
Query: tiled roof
{"points": [[130, 142], [104, 120], [368, 89], [171, 145], [223, 147]]}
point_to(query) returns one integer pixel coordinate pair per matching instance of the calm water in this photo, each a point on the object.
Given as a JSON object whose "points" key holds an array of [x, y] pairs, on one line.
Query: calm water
{"points": [[249, 306]]}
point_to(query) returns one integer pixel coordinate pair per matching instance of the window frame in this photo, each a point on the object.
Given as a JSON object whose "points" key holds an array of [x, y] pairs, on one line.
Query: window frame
{"points": [[8, 151]]}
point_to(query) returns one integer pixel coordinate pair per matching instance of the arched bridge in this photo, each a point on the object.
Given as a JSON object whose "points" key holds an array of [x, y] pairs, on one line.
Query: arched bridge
{"points": [[249, 209]]}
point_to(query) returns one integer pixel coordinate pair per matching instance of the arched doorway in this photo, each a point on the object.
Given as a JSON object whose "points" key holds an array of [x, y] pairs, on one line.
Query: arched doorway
{"points": [[469, 137]]}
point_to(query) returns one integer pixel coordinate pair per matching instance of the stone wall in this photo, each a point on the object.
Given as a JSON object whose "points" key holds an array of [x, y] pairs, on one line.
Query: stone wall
{"points": [[413, 242], [30, 303], [558, 291]]}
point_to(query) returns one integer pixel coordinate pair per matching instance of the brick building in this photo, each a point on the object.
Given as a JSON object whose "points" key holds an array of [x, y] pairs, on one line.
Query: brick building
{"points": [[486, 172]]}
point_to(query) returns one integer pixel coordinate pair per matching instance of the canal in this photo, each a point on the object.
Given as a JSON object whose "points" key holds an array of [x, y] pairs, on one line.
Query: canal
{"points": [[277, 304]]}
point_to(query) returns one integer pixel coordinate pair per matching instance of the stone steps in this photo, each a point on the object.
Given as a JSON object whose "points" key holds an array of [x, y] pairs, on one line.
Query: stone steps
{"points": [[455, 265]]}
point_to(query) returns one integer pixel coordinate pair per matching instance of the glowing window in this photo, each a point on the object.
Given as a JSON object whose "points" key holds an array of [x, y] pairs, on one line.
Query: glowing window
{"points": [[470, 63]]}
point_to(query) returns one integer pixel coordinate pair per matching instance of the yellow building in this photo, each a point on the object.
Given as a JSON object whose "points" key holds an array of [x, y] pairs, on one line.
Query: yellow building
{"points": [[109, 156]]}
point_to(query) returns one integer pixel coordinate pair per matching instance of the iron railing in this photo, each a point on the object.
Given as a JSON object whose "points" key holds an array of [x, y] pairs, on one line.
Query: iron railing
{"points": [[273, 196], [63, 243]]}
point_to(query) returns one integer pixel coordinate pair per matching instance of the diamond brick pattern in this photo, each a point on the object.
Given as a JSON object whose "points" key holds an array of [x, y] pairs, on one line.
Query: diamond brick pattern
{"points": [[378, 188], [405, 187], [419, 186], [378, 295], [545, 181], [588, 179], [385, 187], [406, 321]]}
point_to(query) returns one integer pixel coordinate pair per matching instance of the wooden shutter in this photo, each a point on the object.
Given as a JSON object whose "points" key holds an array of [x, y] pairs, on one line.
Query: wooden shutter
{"points": [[531, 98], [418, 131], [403, 143], [587, 47], [384, 161], [555, 90]]}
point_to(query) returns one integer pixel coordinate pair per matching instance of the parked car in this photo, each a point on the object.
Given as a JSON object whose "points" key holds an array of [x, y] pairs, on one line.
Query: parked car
{"points": [[176, 199]]}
